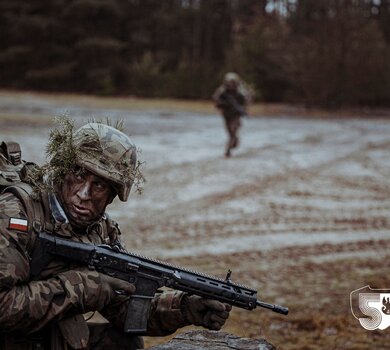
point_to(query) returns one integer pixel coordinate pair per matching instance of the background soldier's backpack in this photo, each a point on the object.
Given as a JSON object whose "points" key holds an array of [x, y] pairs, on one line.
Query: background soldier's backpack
{"points": [[14, 178]]}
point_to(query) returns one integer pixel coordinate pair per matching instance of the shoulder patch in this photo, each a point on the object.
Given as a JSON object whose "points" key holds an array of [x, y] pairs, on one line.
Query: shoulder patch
{"points": [[18, 224]]}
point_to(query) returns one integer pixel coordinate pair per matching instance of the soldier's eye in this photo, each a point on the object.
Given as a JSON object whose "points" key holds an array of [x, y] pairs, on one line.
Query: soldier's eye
{"points": [[101, 186], [78, 173]]}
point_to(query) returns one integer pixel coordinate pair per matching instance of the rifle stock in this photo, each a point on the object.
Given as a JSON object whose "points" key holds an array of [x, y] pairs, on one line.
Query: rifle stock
{"points": [[147, 274]]}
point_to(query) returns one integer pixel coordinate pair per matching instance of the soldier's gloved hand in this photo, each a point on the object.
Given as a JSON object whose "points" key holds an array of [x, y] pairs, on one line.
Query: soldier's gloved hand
{"points": [[208, 313], [91, 290]]}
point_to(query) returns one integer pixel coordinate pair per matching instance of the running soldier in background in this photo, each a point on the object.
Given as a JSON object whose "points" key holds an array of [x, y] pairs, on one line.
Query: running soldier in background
{"points": [[89, 167], [232, 98]]}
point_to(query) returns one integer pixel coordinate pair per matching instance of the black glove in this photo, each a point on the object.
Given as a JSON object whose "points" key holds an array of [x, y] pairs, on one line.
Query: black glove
{"points": [[207, 313]]}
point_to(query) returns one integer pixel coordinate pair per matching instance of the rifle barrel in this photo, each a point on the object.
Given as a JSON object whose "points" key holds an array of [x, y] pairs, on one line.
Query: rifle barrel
{"points": [[276, 308]]}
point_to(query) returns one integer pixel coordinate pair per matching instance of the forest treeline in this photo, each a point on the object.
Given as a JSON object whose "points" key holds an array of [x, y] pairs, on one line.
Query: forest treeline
{"points": [[318, 52]]}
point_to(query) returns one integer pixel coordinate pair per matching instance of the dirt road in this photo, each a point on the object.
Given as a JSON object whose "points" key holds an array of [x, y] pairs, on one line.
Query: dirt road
{"points": [[300, 212]]}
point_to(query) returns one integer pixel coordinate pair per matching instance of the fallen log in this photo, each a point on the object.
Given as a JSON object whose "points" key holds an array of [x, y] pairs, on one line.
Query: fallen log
{"points": [[210, 340]]}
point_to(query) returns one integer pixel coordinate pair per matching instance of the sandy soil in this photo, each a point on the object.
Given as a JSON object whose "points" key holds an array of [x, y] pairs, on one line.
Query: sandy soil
{"points": [[300, 212]]}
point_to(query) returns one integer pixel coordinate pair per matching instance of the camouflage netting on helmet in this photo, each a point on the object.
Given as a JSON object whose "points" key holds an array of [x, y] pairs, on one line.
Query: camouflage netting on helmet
{"points": [[68, 148]]}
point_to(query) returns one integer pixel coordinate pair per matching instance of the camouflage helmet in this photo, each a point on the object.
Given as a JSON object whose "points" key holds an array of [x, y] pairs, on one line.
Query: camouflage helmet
{"points": [[231, 78], [107, 153]]}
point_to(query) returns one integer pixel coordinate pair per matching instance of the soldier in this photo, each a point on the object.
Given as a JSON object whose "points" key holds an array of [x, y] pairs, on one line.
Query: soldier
{"points": [[231, 98], [87, 170]]}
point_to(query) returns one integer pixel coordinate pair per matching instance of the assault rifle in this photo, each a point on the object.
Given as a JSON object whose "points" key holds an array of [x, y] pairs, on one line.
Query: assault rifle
{"points": [[147, 274], [232, 104]]}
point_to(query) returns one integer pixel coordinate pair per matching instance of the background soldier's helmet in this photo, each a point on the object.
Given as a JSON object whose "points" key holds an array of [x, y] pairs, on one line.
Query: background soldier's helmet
{"points": [[108, 153], [231, 78]]}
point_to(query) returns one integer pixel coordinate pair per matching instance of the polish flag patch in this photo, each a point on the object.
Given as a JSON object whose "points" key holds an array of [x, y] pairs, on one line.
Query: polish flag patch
{"points": [[18, 224]]}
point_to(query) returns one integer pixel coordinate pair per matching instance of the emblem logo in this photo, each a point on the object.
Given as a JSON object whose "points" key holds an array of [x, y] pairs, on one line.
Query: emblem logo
{"points": [[371, 307]]}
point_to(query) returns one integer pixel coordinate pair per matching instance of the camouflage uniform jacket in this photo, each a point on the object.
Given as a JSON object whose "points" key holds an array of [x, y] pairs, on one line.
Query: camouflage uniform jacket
{"points": [[29, 307], [231, 102]]}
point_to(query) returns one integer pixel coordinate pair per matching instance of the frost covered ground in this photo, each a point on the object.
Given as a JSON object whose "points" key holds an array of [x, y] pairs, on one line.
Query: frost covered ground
{"points": [[300, 212]]}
